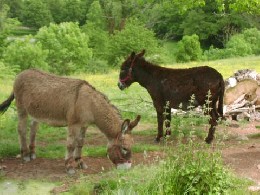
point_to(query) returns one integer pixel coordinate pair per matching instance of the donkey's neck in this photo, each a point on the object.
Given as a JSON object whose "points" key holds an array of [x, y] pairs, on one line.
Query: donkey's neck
{"points": [[146, 73], [107, 117]]}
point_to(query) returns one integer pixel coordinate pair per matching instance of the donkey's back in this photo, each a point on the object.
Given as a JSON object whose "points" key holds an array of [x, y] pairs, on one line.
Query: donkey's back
{"points": [[46, 97]]}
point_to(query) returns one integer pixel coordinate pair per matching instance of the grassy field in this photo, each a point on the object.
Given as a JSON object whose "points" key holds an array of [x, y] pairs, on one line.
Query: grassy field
{"points": [[130, 102]]}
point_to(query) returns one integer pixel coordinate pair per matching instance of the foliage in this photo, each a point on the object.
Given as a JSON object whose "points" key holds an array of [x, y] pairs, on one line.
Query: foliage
{"points": [[6, 72], [25, 53], [252, 37], [67, 47], [74, 11], [192, 169], [95, 28], [238, 46], [134, 37], [189, 49], [243, 44], [35, 13]]}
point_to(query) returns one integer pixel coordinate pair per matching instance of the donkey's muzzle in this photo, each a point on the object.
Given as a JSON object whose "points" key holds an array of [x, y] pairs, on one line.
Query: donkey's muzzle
{"points": [[121, 85]]}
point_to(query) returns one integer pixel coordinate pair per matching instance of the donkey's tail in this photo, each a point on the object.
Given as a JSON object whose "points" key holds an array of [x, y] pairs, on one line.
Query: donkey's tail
{"points": [[5, 105], [221, 98]]}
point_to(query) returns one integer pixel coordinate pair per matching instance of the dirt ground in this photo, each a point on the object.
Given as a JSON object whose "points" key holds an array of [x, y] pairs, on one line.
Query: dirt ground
{"points": [[241, 156]]}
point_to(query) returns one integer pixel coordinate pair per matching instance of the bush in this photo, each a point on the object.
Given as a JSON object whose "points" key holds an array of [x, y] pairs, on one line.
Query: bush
{"points": [[6, 72], [252, 37], [192, 169], [238, 46], [134, 37], [67, 47], [189, 49], [25, 53], [244, 44]]}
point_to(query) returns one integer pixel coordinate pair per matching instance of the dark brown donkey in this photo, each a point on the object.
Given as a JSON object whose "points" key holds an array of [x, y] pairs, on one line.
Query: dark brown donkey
{"points": [[175, 86], [74, 103]]}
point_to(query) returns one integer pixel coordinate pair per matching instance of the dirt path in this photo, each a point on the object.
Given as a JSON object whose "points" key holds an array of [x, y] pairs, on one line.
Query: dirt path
{"points": [[241, 156]]}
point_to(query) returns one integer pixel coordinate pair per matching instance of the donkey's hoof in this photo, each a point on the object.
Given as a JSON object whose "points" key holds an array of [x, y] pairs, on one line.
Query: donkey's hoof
{"points": [[71, 171], [33, 156], [83, 166], [156, 140], [26, 158], [208, 140]]}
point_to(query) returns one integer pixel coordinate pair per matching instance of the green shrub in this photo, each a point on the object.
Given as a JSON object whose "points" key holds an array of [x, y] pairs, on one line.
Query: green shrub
{"points": [[192, 169], [252, 37], [189, 49], [134, 37], [67, 47], [238, 46], [25, 53], [6, 72], [243, 44]]}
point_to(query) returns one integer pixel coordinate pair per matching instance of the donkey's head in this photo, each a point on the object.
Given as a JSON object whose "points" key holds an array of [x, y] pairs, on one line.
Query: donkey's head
{"points": [[126, 76], [119, 152]]}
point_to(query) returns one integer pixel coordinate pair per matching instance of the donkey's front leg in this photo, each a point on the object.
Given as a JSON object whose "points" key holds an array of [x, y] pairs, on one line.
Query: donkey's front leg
{"points": [[168, 122], [160, 126], [78, 149], [73, 134], [22, 122], [34, 127]]}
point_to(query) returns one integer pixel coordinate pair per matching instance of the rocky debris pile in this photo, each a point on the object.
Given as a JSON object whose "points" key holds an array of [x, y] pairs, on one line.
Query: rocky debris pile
{"points": [[242, 95]]}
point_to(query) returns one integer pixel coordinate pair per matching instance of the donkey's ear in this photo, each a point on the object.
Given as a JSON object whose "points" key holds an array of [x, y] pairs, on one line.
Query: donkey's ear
{"points": [[134, 123], [132, 55], [125, 126], [141, 54]]}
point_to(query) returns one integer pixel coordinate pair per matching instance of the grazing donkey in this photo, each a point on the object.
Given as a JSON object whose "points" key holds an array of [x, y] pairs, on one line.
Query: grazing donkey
{"points": [[60, 101], [175, 86]]}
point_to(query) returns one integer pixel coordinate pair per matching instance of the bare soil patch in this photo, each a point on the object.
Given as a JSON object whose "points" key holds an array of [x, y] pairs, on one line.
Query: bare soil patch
{"points": [[241, 156]]}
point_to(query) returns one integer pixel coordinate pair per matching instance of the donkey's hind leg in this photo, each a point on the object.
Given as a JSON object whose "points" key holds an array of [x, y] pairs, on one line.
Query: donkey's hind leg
{"points": [[213, 124], [78, 149], [34, 128], [22, 123]]}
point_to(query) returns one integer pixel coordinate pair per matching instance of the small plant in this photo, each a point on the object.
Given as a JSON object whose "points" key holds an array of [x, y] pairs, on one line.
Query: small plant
{"points": [[192, 169]]}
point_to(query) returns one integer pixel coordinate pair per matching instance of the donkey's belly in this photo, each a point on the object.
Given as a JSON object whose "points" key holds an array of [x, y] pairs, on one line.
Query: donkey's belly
{"points": [[51, 122]]}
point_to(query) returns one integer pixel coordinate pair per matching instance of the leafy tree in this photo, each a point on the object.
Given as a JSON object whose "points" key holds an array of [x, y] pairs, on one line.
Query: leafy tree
{"points": [[35, 13], [57, 9], [6, 26], [134, 37], [74, 11], [252, 37], [15, 7], [67, 46], [6, 72], [95, 28], [24, 54], [189, 49]]}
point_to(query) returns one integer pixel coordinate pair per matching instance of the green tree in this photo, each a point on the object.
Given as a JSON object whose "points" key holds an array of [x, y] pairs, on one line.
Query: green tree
{"points": [[25, 53], [6, 25], [58, 10], [252, 37], [95, 28], [15, 7], [134, 37], [35, 13], [67, 46], [189, 49], [74, 11]]}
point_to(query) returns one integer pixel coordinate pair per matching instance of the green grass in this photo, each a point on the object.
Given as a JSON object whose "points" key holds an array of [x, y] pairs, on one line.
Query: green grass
{"points": [[51, 142], [132, 101], [174, 175]]}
